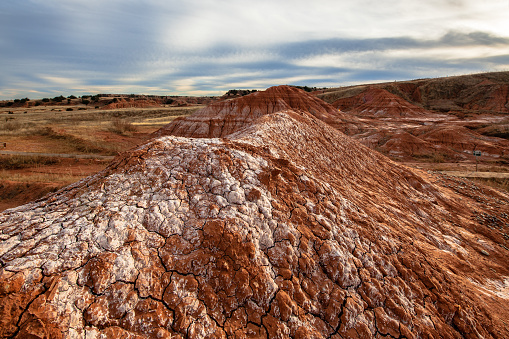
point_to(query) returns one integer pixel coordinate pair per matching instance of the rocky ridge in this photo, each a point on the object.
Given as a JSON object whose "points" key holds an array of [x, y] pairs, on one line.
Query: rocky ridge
{"points": [[284, 228]]}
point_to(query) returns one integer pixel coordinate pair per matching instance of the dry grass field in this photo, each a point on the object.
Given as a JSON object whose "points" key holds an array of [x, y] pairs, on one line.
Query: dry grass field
{"points": [[48, 147]]}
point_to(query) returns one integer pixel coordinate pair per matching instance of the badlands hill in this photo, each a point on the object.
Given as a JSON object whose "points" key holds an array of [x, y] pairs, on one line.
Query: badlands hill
{"points": [[227, 116], [445, 118], [284, 228], [484, 92]]}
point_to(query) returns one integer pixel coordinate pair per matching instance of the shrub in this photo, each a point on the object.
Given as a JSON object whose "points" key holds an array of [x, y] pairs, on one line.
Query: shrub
{"points": [[120, 126], [437, 158], [11, 162], [59, 98]]}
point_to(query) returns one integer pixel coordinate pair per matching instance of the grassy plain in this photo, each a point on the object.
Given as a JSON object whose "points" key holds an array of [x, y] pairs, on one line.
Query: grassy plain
{"points": [[48, 147]]}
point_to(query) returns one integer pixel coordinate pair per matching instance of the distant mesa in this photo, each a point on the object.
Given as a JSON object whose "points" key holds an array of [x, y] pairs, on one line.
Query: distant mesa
{"points": [[437, 119]]}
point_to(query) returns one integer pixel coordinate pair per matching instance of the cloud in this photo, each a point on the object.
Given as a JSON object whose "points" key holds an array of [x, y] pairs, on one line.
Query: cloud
{"points": [[56, 47]]}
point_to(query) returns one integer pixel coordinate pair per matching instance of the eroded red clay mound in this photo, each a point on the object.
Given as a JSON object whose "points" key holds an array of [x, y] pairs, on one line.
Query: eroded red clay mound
{"points": [[286, 228], [380, 103], [225, 117], [461, 139]]}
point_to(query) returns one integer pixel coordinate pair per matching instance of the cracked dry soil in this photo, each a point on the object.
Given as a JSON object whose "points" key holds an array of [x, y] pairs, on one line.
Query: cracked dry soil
{"points": [[286, 228]]}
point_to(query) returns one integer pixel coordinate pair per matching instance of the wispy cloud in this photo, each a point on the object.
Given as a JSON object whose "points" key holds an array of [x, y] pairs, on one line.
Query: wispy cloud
{"points": [[55, 47]]}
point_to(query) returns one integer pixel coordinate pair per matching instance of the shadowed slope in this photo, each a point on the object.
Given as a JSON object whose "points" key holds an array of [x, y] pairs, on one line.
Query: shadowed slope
{"points": [[286, 228]]}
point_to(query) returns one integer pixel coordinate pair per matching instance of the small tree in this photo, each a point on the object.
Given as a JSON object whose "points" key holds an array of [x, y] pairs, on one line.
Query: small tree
{"points": [[59, 98]]}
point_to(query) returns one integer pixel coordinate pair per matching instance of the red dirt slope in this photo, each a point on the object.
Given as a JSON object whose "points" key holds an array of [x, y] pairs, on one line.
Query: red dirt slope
{"points": [[378, 102], [287, 228]]}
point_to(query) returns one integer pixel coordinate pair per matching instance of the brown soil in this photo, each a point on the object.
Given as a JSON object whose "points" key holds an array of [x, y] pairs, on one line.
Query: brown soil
{"points": [[464, 140]]}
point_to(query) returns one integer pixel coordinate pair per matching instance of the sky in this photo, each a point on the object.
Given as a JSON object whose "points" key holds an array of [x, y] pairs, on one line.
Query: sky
{"points": [[206, 47]]}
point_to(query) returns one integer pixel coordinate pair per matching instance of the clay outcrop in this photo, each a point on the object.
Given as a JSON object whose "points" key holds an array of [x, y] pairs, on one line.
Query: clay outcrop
{"points": [[284, 228]]}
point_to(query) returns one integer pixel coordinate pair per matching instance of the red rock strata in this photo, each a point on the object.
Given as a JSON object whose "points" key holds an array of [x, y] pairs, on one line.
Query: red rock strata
{"points": [[227, 116], [287, 228]]}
